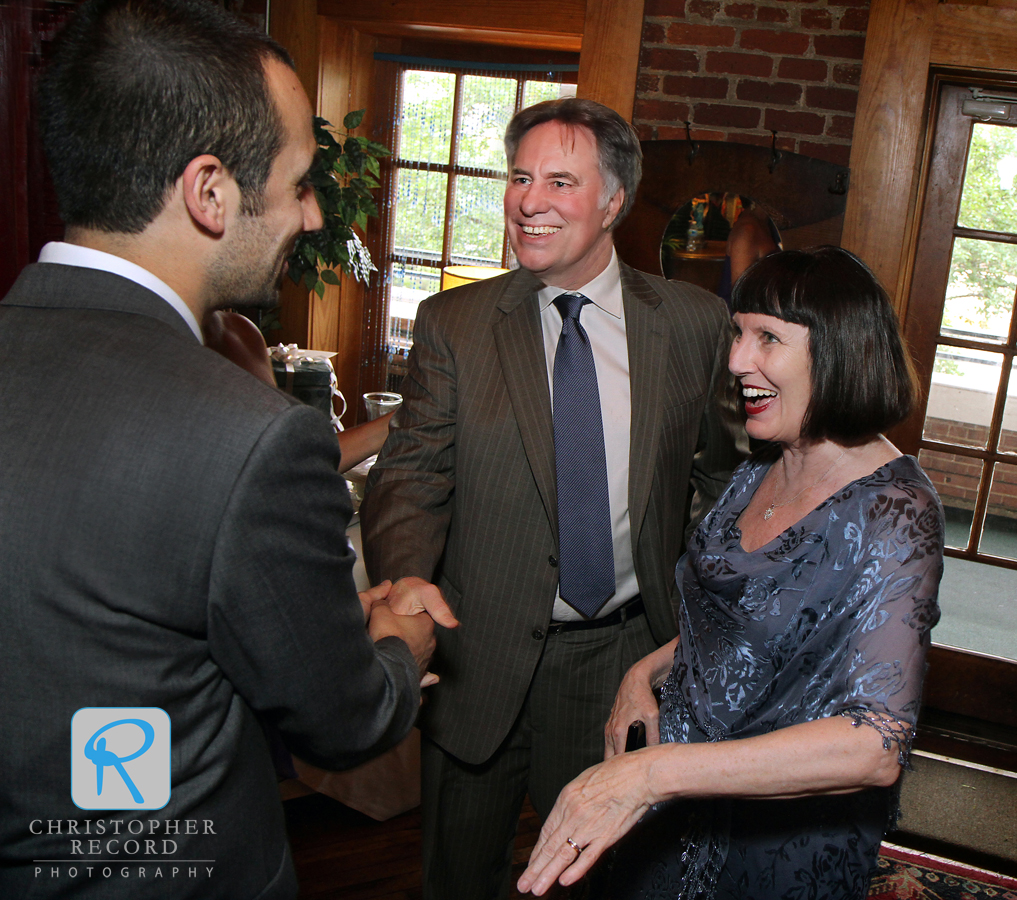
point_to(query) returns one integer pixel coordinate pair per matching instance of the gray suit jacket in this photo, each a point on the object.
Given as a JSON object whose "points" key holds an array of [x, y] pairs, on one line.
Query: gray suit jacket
{"points": [[171, 535], [464, 491]]}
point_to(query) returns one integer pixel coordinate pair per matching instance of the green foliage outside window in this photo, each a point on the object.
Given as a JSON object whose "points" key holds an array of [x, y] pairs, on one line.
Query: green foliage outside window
{"points": [[983, 274], [425, 136]]}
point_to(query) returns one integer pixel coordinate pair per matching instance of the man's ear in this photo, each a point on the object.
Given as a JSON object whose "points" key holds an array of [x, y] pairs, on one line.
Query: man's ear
{"points": [[613, 207], [208, 191]]}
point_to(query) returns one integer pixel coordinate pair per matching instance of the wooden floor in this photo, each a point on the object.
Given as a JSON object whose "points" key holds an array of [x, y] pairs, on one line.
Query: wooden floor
{"points": [[340, 853]]}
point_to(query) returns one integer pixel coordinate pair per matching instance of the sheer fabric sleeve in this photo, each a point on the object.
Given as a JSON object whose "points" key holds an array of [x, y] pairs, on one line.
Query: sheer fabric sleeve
{"points": [[895, 545]]}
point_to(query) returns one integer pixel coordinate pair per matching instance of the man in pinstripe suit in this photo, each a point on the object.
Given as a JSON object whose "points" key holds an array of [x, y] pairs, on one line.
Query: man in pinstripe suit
{"points": [[463, 499]]}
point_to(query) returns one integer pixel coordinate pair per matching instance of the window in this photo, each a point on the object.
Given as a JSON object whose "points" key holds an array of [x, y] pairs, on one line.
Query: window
{"points": [[967, 347], [448, 174]]}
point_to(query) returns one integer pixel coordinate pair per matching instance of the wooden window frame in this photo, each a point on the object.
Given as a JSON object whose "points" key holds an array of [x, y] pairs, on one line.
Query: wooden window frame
{"points": [[333, 45], [952, 135], [907, 42]]}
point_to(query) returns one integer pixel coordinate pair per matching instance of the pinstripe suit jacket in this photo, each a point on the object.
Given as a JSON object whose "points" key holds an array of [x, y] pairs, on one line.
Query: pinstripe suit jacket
{"points": [[463, 493]]}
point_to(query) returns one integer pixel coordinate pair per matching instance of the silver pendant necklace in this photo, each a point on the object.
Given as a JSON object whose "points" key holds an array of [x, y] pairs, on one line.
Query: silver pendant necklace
{"points": [[774, 505]]}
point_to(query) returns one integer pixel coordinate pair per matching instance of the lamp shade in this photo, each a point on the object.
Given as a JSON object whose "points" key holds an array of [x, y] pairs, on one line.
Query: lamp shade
{"points": [[453, 276]]}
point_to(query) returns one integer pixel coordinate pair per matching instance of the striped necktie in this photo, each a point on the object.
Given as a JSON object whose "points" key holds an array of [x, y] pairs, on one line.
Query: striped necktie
{"points": [[585, 541]]}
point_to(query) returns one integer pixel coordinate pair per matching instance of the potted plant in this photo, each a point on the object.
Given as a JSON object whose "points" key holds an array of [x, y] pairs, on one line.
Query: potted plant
{"points": [[344, 175]]}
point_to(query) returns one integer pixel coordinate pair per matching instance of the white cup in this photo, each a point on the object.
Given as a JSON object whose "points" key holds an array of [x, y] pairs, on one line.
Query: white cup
{"points": [[380, 402]]}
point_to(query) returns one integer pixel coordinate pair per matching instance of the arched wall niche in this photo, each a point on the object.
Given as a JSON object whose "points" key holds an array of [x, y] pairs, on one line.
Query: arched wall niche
{"points": [[805, 196]]}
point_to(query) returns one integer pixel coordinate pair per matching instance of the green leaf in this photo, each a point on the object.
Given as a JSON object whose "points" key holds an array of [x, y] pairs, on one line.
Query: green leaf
{"points": [[353, 119], [344, 174]]}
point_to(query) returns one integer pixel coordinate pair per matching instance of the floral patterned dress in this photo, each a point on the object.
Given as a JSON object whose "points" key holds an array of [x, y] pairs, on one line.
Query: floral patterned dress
{"points": [[830, 618]]}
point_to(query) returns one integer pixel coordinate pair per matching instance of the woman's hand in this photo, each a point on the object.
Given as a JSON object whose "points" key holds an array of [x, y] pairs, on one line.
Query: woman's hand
{"points": [[827, 756], [636, 702], [590, 814]]}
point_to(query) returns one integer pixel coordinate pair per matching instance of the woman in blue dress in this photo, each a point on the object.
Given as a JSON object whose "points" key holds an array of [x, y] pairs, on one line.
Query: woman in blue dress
{"points": [[806, 598]]}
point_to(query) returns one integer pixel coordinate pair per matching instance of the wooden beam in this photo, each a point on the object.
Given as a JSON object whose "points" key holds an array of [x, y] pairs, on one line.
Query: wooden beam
{"points": [[522, 16], [983, 37], [571, 43], [609, 62], [294, 24], [889, 129], [347, 64]]}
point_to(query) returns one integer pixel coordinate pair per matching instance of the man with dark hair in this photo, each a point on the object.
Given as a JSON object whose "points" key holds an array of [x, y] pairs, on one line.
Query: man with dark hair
{"points": [[553, 537], [172, 529]]}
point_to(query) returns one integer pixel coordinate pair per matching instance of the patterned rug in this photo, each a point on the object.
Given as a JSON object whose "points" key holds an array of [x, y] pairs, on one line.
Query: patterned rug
{"points": [[907, 875]]}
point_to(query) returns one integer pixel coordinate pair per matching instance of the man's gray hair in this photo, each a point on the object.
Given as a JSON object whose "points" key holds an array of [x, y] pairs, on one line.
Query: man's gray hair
{"points": [[620, 156]]}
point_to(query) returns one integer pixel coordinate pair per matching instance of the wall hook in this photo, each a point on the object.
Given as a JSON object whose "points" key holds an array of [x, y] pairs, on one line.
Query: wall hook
{"points": [[775, 154], [693, 146]]}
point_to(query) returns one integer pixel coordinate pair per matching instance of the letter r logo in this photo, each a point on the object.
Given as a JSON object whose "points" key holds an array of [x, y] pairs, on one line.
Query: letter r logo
{"points": [[120, 757]]}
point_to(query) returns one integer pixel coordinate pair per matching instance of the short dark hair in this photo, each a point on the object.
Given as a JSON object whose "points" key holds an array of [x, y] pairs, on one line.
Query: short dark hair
{"points": [[863, 380], [620, 156], [137, 89]]}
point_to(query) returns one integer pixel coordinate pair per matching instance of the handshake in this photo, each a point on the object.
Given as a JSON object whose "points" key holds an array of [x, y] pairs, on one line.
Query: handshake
{"points": [[408, 610]]}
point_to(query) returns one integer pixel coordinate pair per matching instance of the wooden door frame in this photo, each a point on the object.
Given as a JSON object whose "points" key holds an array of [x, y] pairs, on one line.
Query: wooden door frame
{"points": [[333, 45], [906, 40], [907, 43]]}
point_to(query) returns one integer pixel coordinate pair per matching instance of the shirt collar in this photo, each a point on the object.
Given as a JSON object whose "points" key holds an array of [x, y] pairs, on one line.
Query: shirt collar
{"points": [[87, 258], [604, 290]]}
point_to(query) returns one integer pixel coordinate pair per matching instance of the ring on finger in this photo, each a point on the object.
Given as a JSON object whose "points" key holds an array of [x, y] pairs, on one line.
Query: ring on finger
{"points": [[574, 846]]}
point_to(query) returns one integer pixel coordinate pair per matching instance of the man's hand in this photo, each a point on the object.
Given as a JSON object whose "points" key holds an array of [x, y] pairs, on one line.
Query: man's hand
{"points": [[412, 595], [416, 630], [372, 596]]}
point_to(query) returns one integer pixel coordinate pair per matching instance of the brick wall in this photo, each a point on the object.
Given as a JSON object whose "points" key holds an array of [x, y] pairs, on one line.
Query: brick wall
{"points": [[738, 71], [956, 477]]}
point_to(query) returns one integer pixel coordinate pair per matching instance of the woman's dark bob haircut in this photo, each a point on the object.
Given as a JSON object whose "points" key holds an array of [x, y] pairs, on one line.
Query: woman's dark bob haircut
{"points": [[863, 381]]}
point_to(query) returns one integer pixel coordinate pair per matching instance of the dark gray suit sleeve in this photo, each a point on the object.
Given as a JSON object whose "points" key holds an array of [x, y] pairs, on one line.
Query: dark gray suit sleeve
{"points": [[407, 510], [285, 623], [722, 442]]}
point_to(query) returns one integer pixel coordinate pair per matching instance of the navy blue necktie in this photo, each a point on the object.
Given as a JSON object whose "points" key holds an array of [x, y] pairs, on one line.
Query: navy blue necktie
{"points": [[585, 541]]}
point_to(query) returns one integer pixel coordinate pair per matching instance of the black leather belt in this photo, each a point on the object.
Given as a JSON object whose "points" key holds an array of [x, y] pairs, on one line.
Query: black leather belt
{"points": [[623, 613]]}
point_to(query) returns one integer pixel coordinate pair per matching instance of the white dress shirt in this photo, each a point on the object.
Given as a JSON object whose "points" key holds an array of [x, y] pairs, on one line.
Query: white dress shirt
{"points": [[603, 319], [86, 258]]}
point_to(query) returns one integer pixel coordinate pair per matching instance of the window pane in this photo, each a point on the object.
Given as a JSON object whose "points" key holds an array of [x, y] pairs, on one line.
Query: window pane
{"points": [[488, 104], [410, 285], [1008, 436], [956, 480], [536, 91], [479, 225], [961, 396], [425, 128], [989, 201], [999, 533], [419, 224], [978, 601], [979, 295]]}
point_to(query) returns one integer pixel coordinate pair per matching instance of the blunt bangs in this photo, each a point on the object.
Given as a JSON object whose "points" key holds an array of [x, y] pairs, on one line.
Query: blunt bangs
{"points": [[863, 380]]}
